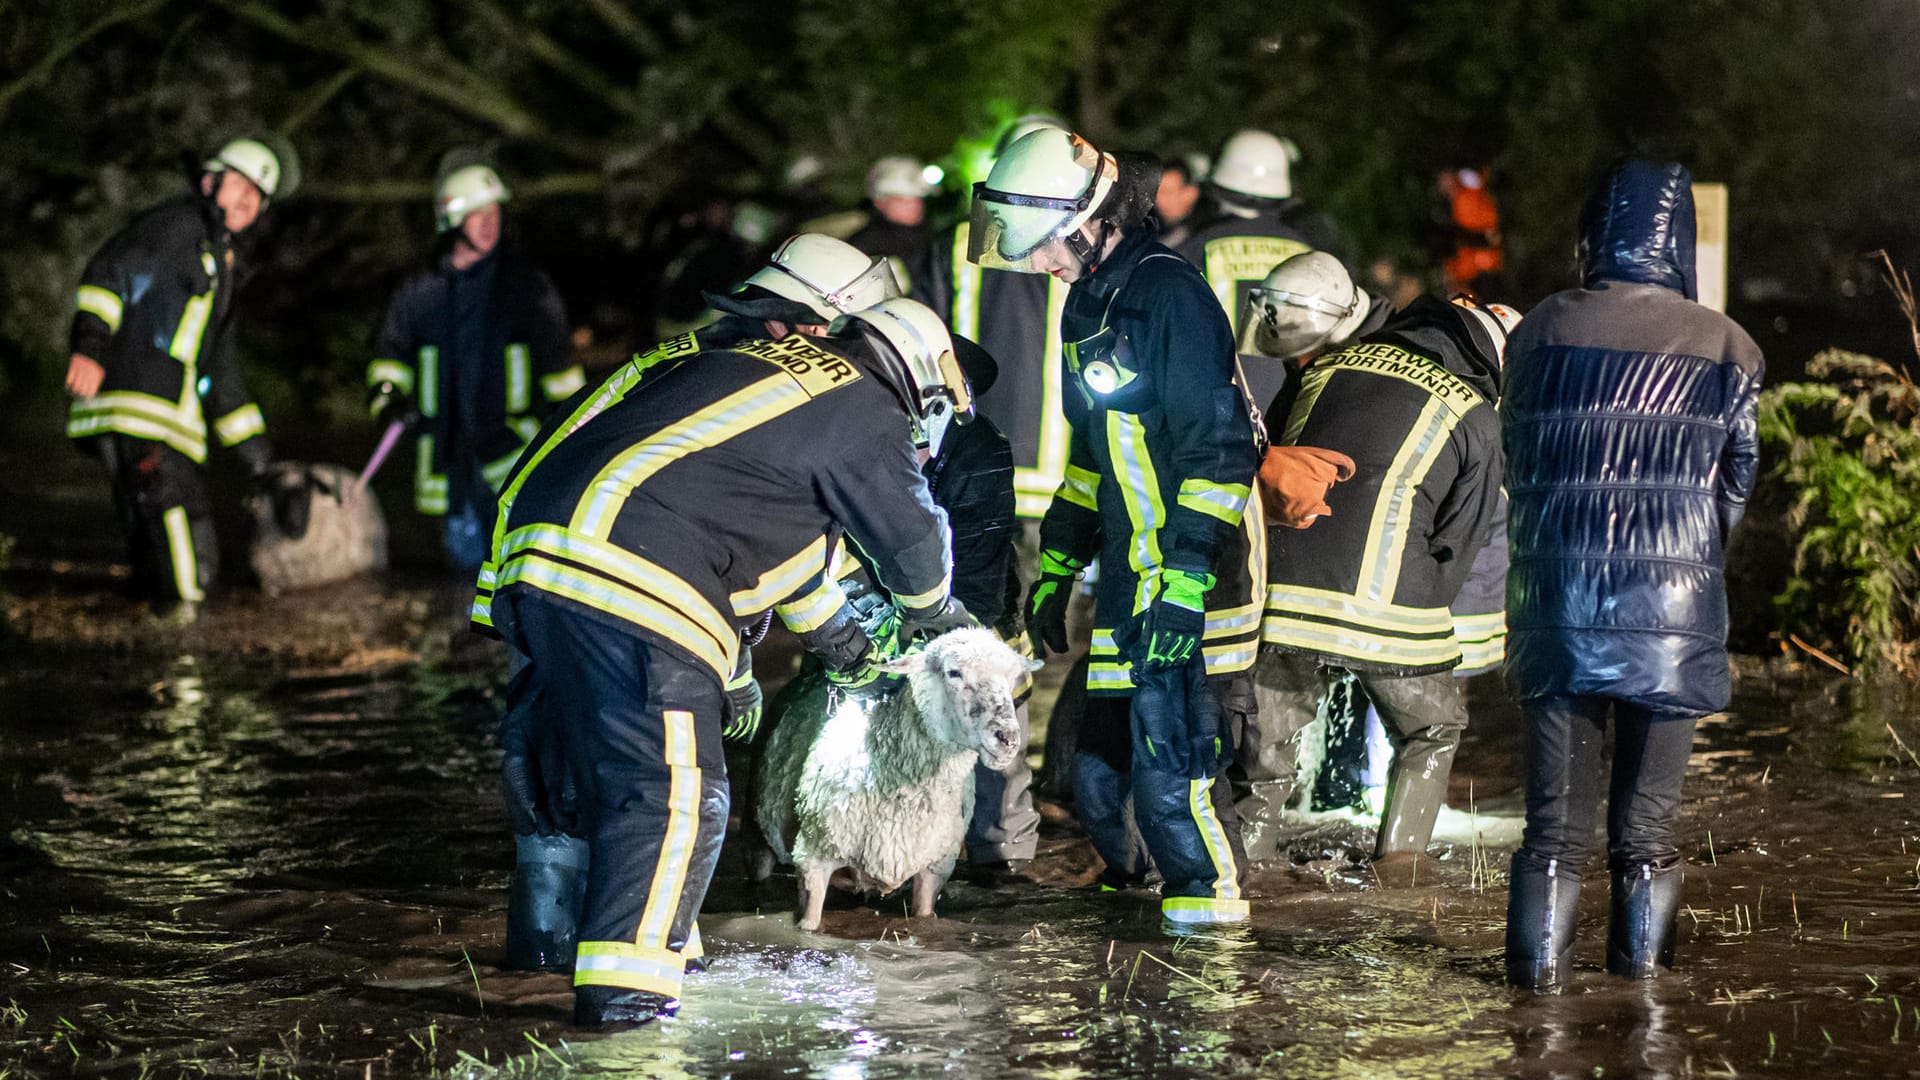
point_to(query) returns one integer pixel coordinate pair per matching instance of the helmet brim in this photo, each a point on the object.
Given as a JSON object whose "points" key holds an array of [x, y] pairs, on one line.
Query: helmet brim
{"points": [[763, 305]]}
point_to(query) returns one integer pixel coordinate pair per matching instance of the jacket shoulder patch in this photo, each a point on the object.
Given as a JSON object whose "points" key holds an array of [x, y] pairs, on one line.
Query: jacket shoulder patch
{"points": [[815, 369]]}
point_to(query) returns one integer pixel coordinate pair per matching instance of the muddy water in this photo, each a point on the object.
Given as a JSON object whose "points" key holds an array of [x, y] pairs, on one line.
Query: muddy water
{"points": [[272, 846]]}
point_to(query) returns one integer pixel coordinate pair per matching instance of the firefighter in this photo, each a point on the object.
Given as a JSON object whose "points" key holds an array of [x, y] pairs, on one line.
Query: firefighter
{"points": [[897, 189], [153, 361], [1366, 588], [1162, 457], [474, 352], [810, 281], [627, 568], [1258, 223]]}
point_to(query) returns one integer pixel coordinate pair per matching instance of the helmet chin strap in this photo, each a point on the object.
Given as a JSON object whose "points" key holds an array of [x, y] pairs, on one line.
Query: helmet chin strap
{"points": [[1089, 254]]}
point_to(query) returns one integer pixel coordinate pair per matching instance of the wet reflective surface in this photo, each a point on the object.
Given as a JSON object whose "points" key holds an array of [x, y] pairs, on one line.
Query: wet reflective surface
{"points": [[272, 845]]}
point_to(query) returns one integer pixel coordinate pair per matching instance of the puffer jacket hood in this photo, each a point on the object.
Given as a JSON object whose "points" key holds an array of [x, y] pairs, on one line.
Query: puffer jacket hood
{"points": [[1449, 334], [1638, 226]]}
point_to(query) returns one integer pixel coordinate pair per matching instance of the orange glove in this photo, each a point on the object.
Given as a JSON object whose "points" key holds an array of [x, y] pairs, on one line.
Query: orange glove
{"points": [[1294, 482]]}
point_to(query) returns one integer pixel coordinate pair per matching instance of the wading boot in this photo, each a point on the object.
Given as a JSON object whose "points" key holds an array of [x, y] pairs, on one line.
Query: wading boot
{"points": [[1541, 905], [1413, 802], [543, 902], [1646, 902], [617, 1008], [1260, 807]]}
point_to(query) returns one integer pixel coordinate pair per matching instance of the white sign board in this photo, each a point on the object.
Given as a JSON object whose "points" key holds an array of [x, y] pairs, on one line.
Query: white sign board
{"points": [[1710, 246]]}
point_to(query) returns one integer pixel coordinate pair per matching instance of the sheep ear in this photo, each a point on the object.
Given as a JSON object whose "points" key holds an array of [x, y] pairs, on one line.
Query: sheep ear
{"points": [[1036, 665], [905, 665]]}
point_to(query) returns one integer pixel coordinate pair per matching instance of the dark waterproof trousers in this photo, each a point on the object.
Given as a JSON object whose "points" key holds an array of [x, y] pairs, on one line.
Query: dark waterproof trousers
{"points": [[1423, 716], [1565, 738], [160, 496], [640, 729], [1184, 823]]}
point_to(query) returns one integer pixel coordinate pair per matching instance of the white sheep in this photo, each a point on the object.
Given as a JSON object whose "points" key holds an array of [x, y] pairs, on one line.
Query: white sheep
{"points": [[885, 788], [343, 536]]}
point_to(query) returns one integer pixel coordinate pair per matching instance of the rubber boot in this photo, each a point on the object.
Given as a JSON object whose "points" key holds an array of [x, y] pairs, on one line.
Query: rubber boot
{"points": [[1413, 803], [1542, 903], [543, 902], [1646, 903], [612, 1008]]}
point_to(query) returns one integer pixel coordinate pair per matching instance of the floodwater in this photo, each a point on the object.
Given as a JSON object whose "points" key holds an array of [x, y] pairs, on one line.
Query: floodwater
{"points": [[272, 845]]}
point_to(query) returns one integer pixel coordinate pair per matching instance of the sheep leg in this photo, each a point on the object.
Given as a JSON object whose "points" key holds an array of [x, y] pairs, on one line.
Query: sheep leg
{"points": [[812, 878], [926, 885]]}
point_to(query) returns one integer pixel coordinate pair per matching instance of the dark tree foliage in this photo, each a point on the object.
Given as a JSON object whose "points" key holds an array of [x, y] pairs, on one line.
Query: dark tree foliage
{"points": [[612, 118]]}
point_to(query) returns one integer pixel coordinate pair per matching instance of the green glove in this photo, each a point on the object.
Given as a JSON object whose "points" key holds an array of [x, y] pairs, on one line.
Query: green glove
{"points": [[1047, 603], [745, 704], [1174, 622]]}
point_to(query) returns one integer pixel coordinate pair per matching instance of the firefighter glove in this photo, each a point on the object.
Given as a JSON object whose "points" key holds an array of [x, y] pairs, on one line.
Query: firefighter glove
{"points": [[1047, 603], [390, 406], [949, 614], [1171, 628], [745, 704]]}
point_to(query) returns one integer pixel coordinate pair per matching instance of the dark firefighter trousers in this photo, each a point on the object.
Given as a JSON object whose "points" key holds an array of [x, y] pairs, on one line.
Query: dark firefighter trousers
{"points": [[160, 496], [640, 731], [1186, 825]]}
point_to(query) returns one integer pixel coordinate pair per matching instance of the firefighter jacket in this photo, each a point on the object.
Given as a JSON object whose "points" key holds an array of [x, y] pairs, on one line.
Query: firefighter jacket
{"points": [[1368, 586], [155, 310], [1162, 457], [481, 390], [684, 513], [1480, 608], [1016, 318], [1630, 418]]}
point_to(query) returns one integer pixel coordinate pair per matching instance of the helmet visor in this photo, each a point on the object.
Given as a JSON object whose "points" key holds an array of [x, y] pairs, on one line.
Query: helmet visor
{"points": [[876, 283], [1283, 325], [1005, 229]]}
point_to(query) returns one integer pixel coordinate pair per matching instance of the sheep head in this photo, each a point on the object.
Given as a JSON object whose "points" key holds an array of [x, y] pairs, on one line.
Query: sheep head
{"points": [[964, 684]]}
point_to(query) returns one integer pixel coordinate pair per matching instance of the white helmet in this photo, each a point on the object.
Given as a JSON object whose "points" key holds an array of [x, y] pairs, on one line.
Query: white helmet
{"points": [[258, 162], [830, 276], [1306, 303], [1495, 321], [465, 190], [925, 350], [1047, 184], [898, 176], [1256, 164]]}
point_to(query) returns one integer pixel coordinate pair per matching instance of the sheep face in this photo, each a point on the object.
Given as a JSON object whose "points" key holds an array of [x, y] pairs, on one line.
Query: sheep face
{"points": [[964, 683]]}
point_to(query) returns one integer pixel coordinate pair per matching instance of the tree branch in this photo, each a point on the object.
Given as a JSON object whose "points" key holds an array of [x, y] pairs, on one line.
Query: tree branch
{"points": [[630, 28], [420, 191], [316, 99], [562, 60], [53, 56]]}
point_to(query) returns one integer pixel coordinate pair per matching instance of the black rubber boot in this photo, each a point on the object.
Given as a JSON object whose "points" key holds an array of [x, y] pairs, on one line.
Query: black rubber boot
{"points": [[1413, 804], [1541, 906], [543, 902], [1646, 902], [613, 1008]]}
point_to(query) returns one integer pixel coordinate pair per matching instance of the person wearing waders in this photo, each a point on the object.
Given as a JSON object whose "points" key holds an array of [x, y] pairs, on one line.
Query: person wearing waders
{"points": [[473, 354], [809, 281], [153, 363], [1631, 449], [627, 570], [1366, 589], [1162, 455]]}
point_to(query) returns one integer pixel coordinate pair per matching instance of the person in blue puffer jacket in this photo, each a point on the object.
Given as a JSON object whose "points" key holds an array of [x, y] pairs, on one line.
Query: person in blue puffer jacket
{"points": [[1629, 417]]}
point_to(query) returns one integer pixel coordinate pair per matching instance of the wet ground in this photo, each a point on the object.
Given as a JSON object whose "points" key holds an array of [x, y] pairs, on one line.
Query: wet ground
{"points": [[271, 844]]}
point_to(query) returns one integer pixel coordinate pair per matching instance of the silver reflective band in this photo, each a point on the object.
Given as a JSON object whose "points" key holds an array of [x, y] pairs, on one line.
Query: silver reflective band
{"points": [[1309, 301], [841, 298]]}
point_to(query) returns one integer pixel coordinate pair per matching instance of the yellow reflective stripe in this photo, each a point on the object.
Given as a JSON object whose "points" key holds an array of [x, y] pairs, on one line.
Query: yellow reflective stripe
{"points": [[1226, 882], [811, 612], [1224, 659], [1399, 618], [1081, 487], [391, 371], [1387, 531], [1393, 362], [429, 396], [186, 568], [1201, 909], [966, 287], [783, 580], [1311, 384], [157, 410], [626, 568], [642, 609], [482, 611], [625, 964], [1378, 647], [1223, 501], [916, 601], [1230, 621], [695, 948], [1480, 627], [1233, 259], [683, 829], [1140, 494], [429, 487], [193, 325], [1483, 654], [240, 425], [1050, 458], [563, 384], [488, 576], [519, 378], [732, 415], [495, 472], [102, 304]]}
